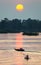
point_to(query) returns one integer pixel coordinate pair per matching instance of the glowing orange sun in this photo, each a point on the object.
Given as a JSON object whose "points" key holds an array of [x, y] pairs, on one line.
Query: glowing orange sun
{"points": [[19, 7]]}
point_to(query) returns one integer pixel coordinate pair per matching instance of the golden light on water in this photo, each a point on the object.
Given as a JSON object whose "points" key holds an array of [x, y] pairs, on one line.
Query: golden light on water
{"points": [[19, 7], [19, 39]]}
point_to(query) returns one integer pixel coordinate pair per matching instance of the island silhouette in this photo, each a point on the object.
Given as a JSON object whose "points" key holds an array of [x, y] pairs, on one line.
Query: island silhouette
{"points": [[28, 27]]}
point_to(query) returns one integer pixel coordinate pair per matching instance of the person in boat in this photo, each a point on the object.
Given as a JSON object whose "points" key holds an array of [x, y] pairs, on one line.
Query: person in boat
{"points": [[21, 49], [27, 57]]}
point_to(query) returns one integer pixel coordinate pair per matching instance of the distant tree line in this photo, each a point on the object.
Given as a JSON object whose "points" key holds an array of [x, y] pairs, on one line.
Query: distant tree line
{"points": [[16, 25]]}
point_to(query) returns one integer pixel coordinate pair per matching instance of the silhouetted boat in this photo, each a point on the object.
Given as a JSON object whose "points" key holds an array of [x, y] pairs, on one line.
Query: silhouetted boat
{"points": [[27, 57], [21, 49], [31, 33]]}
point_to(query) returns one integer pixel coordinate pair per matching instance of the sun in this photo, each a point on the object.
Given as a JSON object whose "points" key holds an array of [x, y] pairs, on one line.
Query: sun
{"points": [[19, 7]]}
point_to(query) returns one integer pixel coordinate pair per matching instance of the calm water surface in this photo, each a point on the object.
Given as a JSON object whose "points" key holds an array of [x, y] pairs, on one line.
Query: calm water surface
{"points": [[8, 56], [31, 43]]}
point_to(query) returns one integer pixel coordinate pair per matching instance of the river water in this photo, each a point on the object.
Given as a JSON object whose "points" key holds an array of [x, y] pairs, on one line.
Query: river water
{"points": [[31, 44]]}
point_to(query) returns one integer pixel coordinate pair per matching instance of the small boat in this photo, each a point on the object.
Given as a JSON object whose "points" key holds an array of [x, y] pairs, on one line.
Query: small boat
{"points": [[27, 57], [21, 49], [31, 34]]}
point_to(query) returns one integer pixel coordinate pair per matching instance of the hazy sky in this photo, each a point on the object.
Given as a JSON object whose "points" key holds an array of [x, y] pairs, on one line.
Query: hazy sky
{"points": [[32, 9]]}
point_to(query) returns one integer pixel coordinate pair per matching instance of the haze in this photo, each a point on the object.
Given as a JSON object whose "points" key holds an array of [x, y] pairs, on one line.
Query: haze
{"points": [[32, 9]]}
